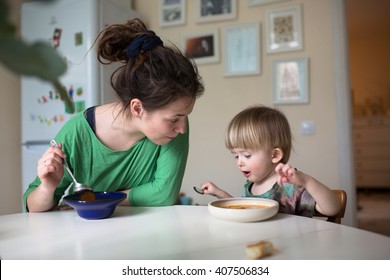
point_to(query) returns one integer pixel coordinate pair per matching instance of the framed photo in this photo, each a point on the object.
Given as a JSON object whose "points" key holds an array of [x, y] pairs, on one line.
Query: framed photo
{"points": [[284, 29], [261, 2], [172, 12], [202, 47], [290, 81], [242, 49], [214, 10]]}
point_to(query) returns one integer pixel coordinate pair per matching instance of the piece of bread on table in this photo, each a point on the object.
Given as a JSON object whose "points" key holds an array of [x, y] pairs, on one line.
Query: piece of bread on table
{"points": [[259, 249]]}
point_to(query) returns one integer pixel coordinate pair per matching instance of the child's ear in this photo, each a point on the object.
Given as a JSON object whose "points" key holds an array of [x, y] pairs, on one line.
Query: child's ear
{"points": [[277, 155]]}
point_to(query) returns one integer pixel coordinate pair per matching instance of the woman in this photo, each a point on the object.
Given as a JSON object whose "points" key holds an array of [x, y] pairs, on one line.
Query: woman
{"points": [[138, 145]]}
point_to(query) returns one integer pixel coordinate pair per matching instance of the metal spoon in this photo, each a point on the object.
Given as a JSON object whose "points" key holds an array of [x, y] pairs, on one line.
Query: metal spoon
{"points": [[78, 187]]}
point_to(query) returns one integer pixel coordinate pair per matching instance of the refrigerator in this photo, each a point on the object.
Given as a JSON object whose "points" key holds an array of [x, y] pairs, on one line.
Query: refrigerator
{"points": [[71, 27]]}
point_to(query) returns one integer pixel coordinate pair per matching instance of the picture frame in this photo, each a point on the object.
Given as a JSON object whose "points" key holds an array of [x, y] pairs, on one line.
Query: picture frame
{"points": [[284, 29], [172, 12], [202, 47], [262, 2], [242, 49], [290, 81], [216, 10]]}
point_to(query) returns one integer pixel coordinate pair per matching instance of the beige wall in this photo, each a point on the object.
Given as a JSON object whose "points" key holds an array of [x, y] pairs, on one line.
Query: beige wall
{"points": [[10, 163], [320, 155]]}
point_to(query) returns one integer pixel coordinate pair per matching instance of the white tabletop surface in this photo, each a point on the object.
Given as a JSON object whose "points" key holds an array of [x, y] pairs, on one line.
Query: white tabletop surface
{"points": [[179, 232]]}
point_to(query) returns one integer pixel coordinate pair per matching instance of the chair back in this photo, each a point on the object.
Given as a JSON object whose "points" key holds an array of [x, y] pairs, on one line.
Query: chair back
{"points": [[342, 196]]}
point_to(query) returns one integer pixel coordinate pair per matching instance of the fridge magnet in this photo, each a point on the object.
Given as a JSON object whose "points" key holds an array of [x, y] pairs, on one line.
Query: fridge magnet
{"points": [[78, 39], [70, 92], [290, 81], [284, 29], [242, 49], [172, 12], [202, 47], [42, 100], [57, 37], [51, 95], [215, 10], [79, 91]]}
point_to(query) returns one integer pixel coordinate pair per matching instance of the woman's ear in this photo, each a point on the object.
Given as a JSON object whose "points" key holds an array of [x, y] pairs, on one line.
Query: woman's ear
{"points": [[136, 108], [277, 155]]}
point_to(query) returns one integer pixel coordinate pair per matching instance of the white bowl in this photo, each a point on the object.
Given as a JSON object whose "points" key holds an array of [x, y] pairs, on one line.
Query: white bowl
{"points": [[245, 209]]}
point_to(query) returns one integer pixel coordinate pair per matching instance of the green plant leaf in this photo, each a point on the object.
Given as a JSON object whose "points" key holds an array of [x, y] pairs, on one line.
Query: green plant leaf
{"points": [[39, 59], [64, 96]]}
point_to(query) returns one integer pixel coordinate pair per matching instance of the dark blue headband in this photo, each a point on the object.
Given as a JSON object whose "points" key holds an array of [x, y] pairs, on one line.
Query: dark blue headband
{"points": [[143, 42]]}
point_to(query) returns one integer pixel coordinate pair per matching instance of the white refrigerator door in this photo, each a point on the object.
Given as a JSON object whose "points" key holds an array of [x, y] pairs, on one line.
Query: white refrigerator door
{"points": [[70, 26]]}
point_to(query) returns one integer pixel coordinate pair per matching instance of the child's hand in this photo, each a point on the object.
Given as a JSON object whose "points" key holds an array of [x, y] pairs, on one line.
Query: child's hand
{"points": [[288, 174], [211, 189]]}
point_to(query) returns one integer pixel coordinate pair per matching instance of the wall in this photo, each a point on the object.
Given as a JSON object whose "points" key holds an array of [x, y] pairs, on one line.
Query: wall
{"points": [[316, 154], [10, 162], [320, 155]]}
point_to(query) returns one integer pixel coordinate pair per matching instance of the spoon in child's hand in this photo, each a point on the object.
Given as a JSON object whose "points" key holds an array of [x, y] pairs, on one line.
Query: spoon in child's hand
{"points": [[198, 190]]}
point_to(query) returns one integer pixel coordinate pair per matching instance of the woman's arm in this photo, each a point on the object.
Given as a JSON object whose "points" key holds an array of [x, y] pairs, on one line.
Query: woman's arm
{"points": [[40, 195], [166, 174]]}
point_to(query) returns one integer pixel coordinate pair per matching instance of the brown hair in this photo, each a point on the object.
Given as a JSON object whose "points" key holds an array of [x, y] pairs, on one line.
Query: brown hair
{"points": [[157, 76], [260, 127]]}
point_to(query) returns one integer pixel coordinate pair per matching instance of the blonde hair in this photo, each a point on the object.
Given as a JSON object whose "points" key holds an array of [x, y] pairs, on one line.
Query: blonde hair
{"points": [[260, 127]]}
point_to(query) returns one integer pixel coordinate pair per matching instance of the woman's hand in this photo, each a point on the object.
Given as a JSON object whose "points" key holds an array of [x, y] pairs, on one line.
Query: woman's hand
{"points": [[50, 167]]}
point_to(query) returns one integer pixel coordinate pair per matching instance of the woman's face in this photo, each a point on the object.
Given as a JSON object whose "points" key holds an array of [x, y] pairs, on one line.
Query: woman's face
{"points": [[162, 126]]}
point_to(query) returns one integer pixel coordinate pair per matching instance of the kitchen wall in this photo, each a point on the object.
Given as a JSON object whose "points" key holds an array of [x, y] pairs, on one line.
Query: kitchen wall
{"points": [[10, 137], [325, 155]]}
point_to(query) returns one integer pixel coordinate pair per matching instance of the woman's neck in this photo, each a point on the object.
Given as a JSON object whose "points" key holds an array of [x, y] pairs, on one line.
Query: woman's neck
{"points": [[115, 130]]}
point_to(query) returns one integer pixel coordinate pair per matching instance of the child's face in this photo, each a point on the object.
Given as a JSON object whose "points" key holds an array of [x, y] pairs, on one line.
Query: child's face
{"points": [[256, 166]]}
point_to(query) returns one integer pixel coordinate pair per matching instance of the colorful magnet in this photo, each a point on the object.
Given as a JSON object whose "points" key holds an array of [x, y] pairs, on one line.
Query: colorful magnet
{"points": [[78, 38], [57, 37]]}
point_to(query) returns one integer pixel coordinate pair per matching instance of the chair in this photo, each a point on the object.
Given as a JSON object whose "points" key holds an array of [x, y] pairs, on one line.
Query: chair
{"points": [[342, 195]]}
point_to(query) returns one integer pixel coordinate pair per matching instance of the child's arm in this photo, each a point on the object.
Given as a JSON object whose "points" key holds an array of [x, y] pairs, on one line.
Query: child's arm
{"points": [[327, 202], [211, 189]]}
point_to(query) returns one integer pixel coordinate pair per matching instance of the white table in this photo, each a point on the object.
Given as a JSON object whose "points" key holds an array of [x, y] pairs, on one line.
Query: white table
{"points": [[181, 233]]}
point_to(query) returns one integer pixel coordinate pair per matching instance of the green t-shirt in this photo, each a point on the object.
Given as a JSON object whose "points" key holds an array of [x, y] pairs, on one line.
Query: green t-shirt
{"points": [[154, 173]]}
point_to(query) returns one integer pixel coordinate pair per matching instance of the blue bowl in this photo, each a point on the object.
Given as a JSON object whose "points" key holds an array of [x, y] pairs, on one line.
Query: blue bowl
{"points": [[101, 207]]}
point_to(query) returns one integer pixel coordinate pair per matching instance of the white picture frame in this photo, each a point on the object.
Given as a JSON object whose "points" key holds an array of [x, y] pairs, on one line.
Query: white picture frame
{"points": [[262, 2], [216, 10], [242, 49], [172, 12], [202, 47], [284, 29], [290, 81]]}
